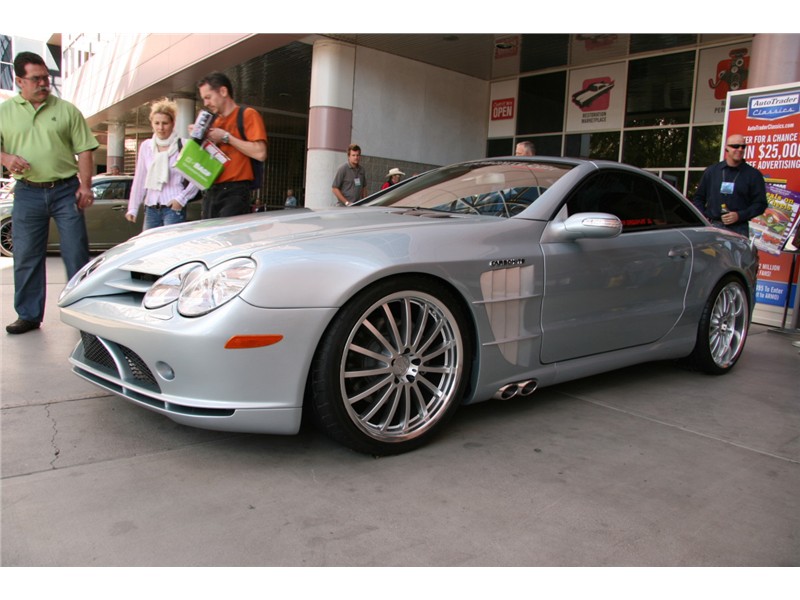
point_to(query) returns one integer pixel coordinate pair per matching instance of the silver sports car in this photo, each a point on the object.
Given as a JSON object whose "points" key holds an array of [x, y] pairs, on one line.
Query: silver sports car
{"points": [[484, 279]]}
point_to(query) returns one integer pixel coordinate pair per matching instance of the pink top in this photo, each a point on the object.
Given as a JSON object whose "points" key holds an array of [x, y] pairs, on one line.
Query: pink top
{"points": [[171, 190]]}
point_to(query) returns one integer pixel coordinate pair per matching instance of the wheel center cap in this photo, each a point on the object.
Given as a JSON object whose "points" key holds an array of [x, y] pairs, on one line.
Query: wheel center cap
{"points": [[403, 368]]}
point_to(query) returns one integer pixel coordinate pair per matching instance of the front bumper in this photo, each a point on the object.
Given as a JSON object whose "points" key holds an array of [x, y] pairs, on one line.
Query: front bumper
{"points": [[180, 368]]}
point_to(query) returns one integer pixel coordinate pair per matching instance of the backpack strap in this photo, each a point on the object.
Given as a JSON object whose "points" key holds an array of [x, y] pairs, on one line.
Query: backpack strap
{"points": [[256, 165], [240, 122]]}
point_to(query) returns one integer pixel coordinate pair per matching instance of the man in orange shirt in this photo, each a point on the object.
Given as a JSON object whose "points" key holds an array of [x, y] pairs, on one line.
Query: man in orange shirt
{"points": [[230, 193]]}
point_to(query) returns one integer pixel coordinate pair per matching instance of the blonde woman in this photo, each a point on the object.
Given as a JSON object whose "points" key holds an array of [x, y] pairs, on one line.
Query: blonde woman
{"points": [[157, 183]]}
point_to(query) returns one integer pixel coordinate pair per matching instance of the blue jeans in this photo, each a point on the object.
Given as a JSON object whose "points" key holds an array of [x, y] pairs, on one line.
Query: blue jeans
{"points": [[33, 208], [156, 216]]}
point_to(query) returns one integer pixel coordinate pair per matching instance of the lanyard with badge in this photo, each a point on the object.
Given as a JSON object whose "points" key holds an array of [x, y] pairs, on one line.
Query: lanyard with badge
{"points": [[727, 186]]}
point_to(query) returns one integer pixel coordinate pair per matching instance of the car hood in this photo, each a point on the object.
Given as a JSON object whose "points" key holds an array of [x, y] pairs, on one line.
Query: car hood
{"points": [[212, 241]]}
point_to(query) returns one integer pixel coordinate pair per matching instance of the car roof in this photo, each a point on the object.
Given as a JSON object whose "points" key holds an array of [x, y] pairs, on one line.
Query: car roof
{"points": [[112, 177]]}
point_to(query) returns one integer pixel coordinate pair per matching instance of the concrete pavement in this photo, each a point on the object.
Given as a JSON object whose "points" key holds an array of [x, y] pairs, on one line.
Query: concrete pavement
{"points": [[646, 466]]}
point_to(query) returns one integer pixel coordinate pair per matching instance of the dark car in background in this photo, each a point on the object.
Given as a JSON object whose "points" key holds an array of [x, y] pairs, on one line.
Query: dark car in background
{"points": [[105, 220]]}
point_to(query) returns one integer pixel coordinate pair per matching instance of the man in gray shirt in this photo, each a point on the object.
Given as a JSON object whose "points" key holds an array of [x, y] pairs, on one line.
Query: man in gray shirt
{"points": [[350, 182]]}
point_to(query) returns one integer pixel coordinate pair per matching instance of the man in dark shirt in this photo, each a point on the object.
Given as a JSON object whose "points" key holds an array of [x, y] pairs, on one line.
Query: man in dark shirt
{"points": [[735, 184]]}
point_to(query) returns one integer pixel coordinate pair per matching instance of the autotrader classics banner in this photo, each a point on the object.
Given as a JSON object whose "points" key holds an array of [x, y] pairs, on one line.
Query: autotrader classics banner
{"points": [[769, 119]]}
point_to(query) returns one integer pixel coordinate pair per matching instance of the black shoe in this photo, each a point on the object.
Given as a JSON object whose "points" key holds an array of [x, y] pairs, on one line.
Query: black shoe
{"points": [[22, 326]]}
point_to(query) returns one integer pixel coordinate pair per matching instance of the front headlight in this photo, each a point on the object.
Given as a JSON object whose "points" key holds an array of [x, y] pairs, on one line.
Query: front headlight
{"points": [[168, 288], [199, 291]]}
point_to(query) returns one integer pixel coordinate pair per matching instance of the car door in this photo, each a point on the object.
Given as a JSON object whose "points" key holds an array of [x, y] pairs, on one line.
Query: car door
{"points": [[106, 225], [105, 220], [606, 294]]}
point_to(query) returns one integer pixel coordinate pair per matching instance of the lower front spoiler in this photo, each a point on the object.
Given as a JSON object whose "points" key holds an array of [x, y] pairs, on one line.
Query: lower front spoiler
{"points": [[277, 421]]}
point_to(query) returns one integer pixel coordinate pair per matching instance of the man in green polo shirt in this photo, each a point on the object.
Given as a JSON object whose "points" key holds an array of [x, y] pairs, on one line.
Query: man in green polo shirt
{"points": [[40, 137]]}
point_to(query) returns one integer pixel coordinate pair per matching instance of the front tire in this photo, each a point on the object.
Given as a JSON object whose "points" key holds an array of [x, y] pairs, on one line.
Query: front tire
{"points": [[392, 368], [723, 328]]}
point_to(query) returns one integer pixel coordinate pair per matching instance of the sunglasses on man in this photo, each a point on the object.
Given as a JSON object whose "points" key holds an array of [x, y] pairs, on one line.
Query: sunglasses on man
{"points": [[737, 146]]}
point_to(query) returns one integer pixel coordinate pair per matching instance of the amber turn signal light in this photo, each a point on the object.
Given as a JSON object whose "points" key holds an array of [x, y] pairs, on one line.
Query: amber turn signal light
{"points": [[239, 342]]}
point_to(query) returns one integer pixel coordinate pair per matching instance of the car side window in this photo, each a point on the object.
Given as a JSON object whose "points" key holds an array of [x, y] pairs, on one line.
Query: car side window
{"points": [[639, 203], [100, 189], [676, 210], [112, 190], [115, 191]]}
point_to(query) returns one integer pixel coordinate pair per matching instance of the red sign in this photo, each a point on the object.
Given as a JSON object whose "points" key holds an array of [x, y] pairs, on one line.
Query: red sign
{"points": [[502, 109], [769, 120]]}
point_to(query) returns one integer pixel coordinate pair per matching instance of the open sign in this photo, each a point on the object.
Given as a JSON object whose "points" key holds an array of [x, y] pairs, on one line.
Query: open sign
{"points": [[502, 109]]}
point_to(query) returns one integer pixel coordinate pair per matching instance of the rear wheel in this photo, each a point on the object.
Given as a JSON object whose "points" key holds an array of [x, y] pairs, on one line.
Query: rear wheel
{"points": [[723, 328], [6, 241], [392, 367]]}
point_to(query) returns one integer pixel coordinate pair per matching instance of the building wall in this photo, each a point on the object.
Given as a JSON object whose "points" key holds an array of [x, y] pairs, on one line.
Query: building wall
{"points": [[405, 114], [408, 110], [130, 69], [664, 103], [663, 114]]}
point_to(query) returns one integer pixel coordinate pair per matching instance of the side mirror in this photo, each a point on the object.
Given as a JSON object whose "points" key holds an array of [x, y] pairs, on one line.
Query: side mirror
{"points": [[585, 225]]}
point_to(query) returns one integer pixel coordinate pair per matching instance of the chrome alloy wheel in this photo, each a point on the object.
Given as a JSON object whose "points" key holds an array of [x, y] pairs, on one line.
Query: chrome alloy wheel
{"points": [[401, 366], [6, 238], [728, 325]]}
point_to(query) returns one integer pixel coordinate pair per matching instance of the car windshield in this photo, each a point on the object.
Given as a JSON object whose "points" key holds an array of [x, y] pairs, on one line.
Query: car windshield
{"points": [[492, 188]]}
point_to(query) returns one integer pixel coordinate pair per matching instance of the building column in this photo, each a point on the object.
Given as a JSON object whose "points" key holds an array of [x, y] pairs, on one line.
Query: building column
{"points": [[330, 118], [115, 147], [775, 59], [186, 115]]}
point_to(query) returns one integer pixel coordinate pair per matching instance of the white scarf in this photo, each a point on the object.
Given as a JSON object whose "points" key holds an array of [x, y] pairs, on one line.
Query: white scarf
{"points": [[158, 173]]}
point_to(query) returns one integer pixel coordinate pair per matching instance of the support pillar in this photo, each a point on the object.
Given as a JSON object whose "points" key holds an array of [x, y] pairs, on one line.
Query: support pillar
{"points": [[186, 114], [775, 59], [330, 118], [115, 148]]}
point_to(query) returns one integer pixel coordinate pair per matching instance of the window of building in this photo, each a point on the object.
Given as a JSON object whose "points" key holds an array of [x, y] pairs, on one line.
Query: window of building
{"points": [[660, 90], [544, 145], [6, 63], [649, 42], [706, 146], [655, 148], [541, 103], [602, 145], [500, 147], [654, 124], [674, 178], [543, 50], [692, 183]]}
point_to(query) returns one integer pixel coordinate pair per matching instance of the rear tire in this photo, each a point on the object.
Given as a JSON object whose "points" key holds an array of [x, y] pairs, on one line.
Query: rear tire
{"points": [[392, 368], [723, 328], [6, 239]]}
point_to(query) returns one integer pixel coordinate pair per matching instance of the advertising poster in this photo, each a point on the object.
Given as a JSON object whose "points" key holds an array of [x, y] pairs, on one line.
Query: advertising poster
{"points": [[720, 70], [597, 98], [502, 109], [769, 119], [770, 231], [588, 48]]}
